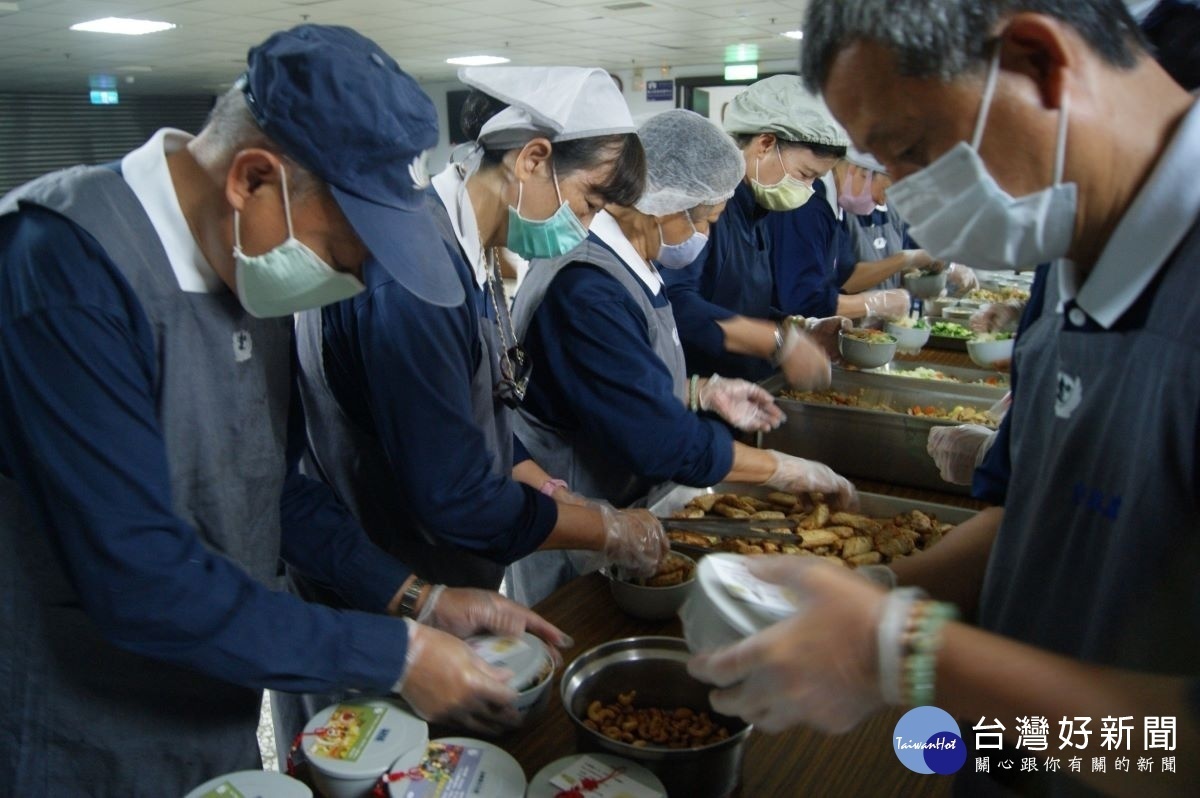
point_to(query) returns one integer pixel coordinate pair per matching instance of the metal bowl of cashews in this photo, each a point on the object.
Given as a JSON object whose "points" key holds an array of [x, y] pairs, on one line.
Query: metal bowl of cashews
{"points": [[635, 698]]}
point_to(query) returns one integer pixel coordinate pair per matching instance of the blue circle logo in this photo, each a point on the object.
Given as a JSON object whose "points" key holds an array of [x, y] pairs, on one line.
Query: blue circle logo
{"points": [[927, 740]]}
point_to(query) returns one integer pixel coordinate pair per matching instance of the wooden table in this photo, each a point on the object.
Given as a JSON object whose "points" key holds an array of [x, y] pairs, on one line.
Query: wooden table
{"points": [[799, 762]]}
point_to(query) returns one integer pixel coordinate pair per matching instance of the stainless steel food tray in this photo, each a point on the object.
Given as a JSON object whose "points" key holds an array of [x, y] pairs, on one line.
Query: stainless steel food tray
{"points": [[971, 380], [875, 505], [872, 444]]}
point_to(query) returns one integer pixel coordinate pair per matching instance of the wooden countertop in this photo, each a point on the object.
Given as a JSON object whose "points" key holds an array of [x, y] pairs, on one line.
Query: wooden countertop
{"points": [[799, 762]]}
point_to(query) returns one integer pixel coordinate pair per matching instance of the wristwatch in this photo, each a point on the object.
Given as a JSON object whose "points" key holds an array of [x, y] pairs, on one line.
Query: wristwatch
{"points": [[412, 595], [777, 356]]}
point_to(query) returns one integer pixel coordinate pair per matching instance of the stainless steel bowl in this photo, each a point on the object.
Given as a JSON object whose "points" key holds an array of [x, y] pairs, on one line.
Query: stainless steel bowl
{"points": [[657, 668]]}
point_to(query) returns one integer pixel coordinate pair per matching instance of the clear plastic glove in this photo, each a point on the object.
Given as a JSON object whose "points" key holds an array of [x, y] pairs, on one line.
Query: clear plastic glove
{"points": [[796, 475], [565, 496], [634, 540], [997, 317], [889, 305], [921, 260], [958, 451], [804, 361], [466, 611], [960, 279], [825, 332], [445, 681], [743, 404], [881, 575], [818, 668]]}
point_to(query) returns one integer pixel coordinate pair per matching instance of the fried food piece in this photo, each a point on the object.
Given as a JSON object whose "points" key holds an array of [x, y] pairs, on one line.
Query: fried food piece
{"points": [[811, 539], [768, 515], [869, 558], [842, 531], [691, 539], [854, 520], [817, 519], [785, 500], [759, 505], [706, 501], [730, 512], [688, 512], [852, 547]]}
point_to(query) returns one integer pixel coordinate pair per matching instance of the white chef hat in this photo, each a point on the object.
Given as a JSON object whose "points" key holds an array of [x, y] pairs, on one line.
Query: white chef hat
{"points": [[560, 103]]}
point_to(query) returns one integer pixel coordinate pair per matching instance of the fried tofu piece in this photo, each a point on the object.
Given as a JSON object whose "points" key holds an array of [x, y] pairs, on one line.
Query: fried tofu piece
{"points": [[852, 547], [768, 515], [784, 500], [842, 531], [811, 539], [730, 512], [817, 519], [688, 512], [705, 501], [759, 505], [854, 520], [870, 558]]}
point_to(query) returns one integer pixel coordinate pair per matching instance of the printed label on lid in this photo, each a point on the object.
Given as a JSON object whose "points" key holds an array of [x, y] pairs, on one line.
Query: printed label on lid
{"points": [[446, 771], [603, 781], [348, 732], [499, 650], [744, 586], [224, 790]]}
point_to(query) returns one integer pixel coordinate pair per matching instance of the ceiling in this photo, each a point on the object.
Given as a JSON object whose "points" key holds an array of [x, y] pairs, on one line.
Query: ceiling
{"points": [[207, 50]]}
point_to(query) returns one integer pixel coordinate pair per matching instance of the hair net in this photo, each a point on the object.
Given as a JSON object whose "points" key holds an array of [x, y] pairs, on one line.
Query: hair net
{"points": [[781, 105], [689, 162]]}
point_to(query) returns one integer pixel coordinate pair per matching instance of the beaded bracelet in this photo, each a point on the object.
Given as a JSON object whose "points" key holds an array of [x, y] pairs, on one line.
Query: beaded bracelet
{"points": [[920, 662], [694, 394], [893, 623]]}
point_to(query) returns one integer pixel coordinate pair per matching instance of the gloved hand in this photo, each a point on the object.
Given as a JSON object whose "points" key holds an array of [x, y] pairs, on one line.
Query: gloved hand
{"points": [[997, 317], [825, 332], [796, 475], [743, 404], [818, 667], [445, 681], [922, 261], [565, 496], [958, 451], [891, 304], [881, 575], [634, 540], [804, 361], [960, 279], [466, 611]]}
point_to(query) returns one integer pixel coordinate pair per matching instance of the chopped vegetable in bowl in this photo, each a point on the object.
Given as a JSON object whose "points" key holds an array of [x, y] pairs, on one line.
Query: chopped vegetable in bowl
{"points": [[948, 329], [870, 336]]}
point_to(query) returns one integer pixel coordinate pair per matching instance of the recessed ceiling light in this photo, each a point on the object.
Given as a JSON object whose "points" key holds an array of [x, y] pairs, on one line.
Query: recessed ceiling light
{"points": [[128, 27], [477, 60], [793, 34]]}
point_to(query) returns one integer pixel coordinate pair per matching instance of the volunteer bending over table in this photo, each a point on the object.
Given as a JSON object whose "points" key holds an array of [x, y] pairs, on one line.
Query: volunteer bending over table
{"points": [[729, 321], [407, 386], [409, 396], [149, 436], [1083, 585], [610, 405]]}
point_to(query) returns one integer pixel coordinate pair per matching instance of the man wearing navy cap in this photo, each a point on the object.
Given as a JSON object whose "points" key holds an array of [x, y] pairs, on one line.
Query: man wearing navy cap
{"points": [[149, 436]]}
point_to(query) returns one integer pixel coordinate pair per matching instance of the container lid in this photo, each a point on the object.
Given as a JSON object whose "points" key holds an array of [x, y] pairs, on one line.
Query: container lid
{"points": [[456, 767], [630, 780], [251, 784], [744, 601], [361, 739], [526, 656]]}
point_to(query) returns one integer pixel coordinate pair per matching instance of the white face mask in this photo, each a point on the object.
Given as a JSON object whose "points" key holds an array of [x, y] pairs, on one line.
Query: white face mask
{"points": [[289, 278], [679, 256], [957, 211]]}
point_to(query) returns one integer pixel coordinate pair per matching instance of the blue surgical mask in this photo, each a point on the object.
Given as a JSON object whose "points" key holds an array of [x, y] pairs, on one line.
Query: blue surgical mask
{"points": [[289, 278], [544, 238], [678, 256]]}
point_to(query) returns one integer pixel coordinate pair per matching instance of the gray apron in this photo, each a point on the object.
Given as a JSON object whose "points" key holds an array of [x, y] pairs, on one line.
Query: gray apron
{"points": [[81, 715], [562, 453], [874, 242]]}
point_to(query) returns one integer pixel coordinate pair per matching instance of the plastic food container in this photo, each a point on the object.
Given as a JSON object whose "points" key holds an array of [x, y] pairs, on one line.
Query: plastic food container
{"points": [[630, 779], [527, 657], [652, 603], [729, 604], [989, 353], [456, 766], [351, 744], [251, 784]]}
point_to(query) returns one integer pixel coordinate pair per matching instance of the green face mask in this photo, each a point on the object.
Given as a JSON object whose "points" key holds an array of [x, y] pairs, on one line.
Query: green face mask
{"points": [[544, 238], [786, 195]]}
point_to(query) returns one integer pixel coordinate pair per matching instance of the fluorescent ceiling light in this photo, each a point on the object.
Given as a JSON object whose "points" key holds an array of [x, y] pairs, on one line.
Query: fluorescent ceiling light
{"points": [[741, 72], [741, 53], [477, 60], [793, 34], [128, 27]]}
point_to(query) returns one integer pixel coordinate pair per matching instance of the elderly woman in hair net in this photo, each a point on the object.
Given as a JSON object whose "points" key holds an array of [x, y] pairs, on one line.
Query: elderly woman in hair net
{"points": [[611, 406]]}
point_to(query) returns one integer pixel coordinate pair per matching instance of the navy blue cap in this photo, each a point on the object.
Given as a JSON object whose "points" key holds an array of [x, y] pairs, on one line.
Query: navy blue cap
{"points": [[341, 107]]}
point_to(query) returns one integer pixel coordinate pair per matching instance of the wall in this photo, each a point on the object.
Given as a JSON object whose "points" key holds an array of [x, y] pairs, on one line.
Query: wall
{"points": [[43, 132], [638, 105]]}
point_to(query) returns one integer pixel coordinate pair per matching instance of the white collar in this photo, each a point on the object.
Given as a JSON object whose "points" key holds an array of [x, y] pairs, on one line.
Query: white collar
{"points": [[452, 191], [1160, 216], [145, 170], [606, 228]]}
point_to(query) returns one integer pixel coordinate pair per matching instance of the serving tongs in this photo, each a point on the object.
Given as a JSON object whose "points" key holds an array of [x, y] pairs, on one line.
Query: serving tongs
{"points": [[733, 528]]}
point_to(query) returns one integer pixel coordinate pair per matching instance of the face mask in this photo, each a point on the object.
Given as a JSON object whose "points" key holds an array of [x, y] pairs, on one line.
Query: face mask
{"points": [[786, 195], [677, 256], [546, 238], [860, 204], [958, 212], [289, 278]]}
